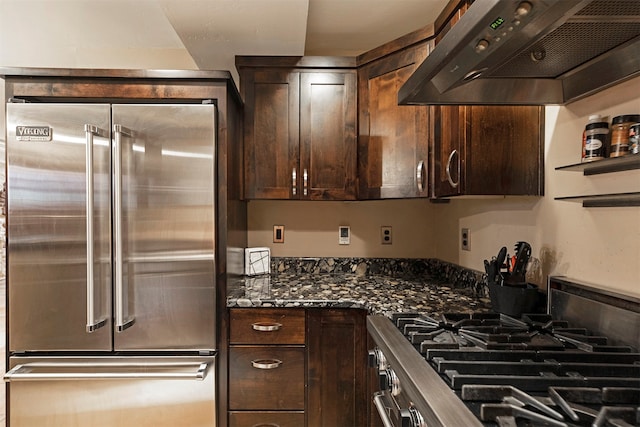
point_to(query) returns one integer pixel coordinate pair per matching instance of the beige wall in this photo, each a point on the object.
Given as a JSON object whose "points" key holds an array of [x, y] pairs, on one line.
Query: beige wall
{"points": [[597, 245], [311, 228]]}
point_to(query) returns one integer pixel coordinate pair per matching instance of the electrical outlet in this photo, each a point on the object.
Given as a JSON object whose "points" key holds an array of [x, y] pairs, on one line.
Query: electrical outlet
{"points": [[385, 235], [278, 234], [465, 239]]}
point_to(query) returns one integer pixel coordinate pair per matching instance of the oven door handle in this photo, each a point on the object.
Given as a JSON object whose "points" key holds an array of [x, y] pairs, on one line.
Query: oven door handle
{"points": [[382, 409]]}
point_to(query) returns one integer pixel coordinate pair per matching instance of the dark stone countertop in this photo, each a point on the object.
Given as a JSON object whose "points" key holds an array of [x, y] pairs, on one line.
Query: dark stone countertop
{"points": [[381, 295]]}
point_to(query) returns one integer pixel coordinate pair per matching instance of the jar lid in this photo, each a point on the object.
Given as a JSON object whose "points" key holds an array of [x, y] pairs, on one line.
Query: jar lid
{"points": [[597, 125], [629, 118]]}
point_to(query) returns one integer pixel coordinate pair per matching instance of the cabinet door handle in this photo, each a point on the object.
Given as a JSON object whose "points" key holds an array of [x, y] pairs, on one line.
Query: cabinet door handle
{"points": [[421, 173], [266, 363], [448, 170], [305, 182], [294, 179], [266, 327]]}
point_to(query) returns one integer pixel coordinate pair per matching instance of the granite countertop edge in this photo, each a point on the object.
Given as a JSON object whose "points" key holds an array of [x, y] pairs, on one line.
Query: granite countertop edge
{"points": [[377, 294]]}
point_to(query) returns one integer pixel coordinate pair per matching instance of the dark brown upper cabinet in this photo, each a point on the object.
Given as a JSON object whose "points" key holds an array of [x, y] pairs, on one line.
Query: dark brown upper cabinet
{"points": [[485, 150], [488, 150], [299, 129], [393, 140]]}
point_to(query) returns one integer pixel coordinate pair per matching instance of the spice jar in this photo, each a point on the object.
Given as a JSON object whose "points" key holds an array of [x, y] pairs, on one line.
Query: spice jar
{"points": [[634, 138], [594, 139], [620, 134]]}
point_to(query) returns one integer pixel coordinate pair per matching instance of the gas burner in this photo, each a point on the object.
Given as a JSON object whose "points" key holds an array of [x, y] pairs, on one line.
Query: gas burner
{"points": [[560, 406], [493, 331]]}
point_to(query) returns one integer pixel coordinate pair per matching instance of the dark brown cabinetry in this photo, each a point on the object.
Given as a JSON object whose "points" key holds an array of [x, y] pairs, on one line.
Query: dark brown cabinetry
{"points": [[336, 368], [488, 150], [266, 366], [393, 140], [297, 367], [485, 150], [300, 128]]}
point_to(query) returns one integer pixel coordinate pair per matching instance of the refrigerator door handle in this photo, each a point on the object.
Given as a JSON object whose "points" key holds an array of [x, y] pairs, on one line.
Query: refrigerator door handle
{"points": [[122, 323], [92, 322], [112, 371]]}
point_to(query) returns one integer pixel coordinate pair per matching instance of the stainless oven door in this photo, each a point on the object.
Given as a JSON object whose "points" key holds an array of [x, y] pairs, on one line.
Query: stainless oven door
{"points": [[110, 391]]}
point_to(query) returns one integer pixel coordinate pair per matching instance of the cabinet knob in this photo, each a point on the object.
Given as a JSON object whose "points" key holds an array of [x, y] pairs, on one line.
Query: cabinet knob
{"points": [[265, 326]]}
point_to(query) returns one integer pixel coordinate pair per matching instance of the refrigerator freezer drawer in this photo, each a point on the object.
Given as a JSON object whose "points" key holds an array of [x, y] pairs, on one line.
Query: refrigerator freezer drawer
{"points": [[111, 391]]}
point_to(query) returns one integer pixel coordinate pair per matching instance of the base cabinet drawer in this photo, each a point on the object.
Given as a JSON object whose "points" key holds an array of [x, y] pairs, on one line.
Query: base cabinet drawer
{"points": [[266, 419], [266, 378]]}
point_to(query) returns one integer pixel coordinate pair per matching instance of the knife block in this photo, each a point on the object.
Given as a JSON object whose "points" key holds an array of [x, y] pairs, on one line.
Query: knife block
{"points": [[515, 300]]}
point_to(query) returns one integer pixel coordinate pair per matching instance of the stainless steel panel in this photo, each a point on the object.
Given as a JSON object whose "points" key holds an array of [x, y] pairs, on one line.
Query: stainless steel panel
{"points": [[47, 225], [107, 392], [167, 224], [604, 313]]}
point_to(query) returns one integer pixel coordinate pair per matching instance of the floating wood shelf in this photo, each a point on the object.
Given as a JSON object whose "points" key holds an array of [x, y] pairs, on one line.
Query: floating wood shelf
{"points": [[605, 200], [612, 164]]}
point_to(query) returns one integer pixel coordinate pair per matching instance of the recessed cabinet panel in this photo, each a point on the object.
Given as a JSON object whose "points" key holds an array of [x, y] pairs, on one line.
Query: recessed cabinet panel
{"points": [[488, 150], [271, 133], [393, 140], [300, 133], [328, 135]]}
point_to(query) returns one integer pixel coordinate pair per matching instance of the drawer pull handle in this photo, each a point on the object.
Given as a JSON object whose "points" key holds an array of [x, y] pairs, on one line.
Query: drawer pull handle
{"points": [[266, 425], [266, 327], [266, 363]]}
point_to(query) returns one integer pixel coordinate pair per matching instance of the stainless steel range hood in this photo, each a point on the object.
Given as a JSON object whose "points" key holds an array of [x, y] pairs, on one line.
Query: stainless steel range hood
{"points": [[534, 52]]}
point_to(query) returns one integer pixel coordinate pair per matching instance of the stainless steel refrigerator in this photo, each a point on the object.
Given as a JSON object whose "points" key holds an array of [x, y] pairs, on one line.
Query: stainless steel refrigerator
{"points": [[110, 278]]}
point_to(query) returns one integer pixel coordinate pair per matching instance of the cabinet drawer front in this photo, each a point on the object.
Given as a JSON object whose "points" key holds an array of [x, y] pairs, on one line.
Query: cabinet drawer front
{"points": [[267, 326], [264, 378], [266, 419]]}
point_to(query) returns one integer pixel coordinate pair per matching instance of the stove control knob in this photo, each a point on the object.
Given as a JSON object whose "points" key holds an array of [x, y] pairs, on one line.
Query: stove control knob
{"points": [[377, 359], [393, 382], [417, 419], [411, 418]]}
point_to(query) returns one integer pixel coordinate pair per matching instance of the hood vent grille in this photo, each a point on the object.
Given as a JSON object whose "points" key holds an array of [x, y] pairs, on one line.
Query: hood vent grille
{"points": [[562, 51], [568, 47]]}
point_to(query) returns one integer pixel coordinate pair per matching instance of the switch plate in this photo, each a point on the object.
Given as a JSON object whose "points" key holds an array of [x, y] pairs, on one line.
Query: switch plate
{"points": [[386, 235], [465, 239], [344, 235], [278, 234]]}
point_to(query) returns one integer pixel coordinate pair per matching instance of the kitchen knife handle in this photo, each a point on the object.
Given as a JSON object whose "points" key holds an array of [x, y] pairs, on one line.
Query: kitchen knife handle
{"points": [[121, 323], [421, 174], [92, 323], [266, 327], [294, 182], [448, 169], [266, 363], [305, 182]]}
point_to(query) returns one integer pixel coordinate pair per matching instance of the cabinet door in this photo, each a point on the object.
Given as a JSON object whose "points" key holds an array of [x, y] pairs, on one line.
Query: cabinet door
{"points": [[448, 150], [328, 135], [272, 100], [393, 139], [336, 368], [504, 150]]}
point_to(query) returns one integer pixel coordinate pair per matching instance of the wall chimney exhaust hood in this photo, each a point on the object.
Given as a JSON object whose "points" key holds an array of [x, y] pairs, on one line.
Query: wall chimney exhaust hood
{"points": [[533, 52]]}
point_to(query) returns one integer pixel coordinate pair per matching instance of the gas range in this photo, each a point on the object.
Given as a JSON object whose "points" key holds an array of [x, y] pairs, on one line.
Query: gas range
{"points": [[488, 369]]}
